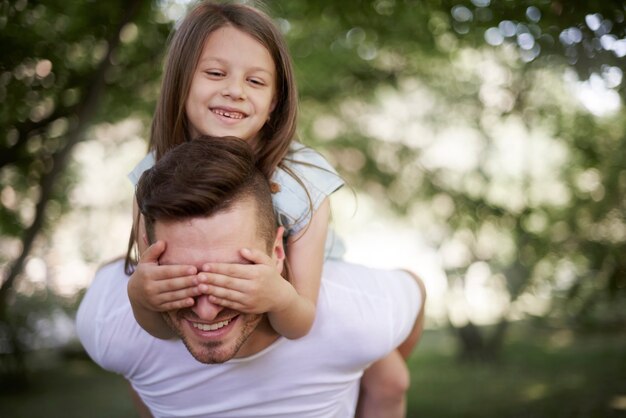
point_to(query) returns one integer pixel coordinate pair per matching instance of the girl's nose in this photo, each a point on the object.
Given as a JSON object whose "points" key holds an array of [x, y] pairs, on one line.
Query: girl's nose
{"points": [[235, 89], [205, 309]]}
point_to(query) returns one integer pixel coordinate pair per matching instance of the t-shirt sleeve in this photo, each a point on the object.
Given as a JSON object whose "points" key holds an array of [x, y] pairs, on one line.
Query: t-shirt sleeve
{"points": [[105, 324], [376, 307], [146, 163], [300, 196], [407, 298]]}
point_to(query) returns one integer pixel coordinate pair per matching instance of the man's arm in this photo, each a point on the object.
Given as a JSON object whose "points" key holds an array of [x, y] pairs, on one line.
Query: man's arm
{"points": [[411, 341], [140, 407]]}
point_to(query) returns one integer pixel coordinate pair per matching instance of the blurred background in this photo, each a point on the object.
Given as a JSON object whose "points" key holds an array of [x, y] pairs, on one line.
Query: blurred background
{"points": [[483, 141]]}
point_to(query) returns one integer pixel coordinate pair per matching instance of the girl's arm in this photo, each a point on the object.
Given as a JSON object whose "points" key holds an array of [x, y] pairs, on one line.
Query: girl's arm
{"points": [[305, 257]]}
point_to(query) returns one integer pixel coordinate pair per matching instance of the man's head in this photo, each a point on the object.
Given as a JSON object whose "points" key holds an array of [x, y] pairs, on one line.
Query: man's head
{"points": [[207, 201]]}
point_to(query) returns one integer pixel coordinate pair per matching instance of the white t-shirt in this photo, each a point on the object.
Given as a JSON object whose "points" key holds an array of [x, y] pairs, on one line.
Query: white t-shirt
{"points": [[362, 315]]}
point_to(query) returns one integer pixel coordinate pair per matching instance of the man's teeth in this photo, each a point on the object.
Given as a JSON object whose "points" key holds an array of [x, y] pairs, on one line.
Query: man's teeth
{"points": [[210, 327], [233, 115]]}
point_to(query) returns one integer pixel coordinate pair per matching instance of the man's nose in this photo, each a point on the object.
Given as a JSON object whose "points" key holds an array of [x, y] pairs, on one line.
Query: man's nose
{"points": [[205, 309]]}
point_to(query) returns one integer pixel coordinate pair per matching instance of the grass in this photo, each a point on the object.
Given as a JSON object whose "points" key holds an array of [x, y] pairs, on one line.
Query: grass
{"points": [[72, 388], [541, 373]]}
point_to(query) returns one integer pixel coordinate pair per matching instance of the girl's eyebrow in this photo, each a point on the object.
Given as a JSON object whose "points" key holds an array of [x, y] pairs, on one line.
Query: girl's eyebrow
{"points": [[223, 62]]}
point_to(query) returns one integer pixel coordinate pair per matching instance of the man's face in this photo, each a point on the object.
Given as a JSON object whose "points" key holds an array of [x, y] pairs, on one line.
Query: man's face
{"points": [[211, 333]]}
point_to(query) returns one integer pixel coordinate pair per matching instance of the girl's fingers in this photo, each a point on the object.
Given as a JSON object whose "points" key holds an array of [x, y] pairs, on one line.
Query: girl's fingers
{"points": [[222, 293], [158, 273], [153, 252], [239, 271], [229, 269], [180, 294], [226, 303], [178, 304], [256, 256], [171, 285], [152, 255], [223, 281]]}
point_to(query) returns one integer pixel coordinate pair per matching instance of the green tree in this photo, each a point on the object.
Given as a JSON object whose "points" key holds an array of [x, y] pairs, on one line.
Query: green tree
{"points": [[65, 66], [485, 64]]}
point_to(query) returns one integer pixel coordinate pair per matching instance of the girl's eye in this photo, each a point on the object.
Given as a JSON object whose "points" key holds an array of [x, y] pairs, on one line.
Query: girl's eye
{"points": [[214, 73], [257, 81]]}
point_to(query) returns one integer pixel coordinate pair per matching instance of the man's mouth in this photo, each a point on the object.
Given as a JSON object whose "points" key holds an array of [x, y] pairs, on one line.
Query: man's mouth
{"points": [[210, 327], [228, 113]]}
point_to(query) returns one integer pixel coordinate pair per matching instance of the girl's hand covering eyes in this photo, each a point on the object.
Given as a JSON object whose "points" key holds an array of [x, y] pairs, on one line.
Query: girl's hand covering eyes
{"points": [[162, 288], [249, 288]]}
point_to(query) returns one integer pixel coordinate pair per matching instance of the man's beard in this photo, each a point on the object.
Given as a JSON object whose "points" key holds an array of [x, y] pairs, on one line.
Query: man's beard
{"points": [[214, 352]]}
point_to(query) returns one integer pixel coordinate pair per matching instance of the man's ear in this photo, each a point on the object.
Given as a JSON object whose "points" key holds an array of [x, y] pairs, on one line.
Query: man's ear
{"points": [[278, 249], [142, 235]]}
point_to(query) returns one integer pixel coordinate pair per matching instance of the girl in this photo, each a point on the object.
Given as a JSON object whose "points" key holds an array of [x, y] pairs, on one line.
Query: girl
{"points": [[228, 73]]}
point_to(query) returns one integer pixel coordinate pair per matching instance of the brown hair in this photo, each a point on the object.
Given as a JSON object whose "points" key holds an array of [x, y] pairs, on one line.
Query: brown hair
{"points": [[170, 123], [204, 177]]}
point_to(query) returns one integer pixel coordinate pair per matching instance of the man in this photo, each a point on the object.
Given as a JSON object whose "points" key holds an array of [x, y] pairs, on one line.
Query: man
{"points": [[207, 201]]}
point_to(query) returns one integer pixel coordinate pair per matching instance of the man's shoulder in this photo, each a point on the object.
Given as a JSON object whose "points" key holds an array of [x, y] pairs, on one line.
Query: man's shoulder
{"points": [[104, 321], [110, 276], [377, 306], [106, 295]]}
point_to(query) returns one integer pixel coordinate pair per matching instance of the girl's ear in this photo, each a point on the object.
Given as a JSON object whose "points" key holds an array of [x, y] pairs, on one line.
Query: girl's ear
{"points": [[273, 106]]}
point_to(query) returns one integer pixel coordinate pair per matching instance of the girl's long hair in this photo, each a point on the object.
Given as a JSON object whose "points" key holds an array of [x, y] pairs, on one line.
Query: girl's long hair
{"points": [[170, 125]]}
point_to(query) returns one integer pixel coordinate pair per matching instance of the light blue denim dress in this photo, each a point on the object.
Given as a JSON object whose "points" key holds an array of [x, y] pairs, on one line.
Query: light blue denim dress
{"points": [[292, 203]]}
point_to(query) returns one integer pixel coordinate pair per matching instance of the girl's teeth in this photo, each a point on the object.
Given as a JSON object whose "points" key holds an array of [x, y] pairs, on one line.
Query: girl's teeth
{"points": [[233, 115]]}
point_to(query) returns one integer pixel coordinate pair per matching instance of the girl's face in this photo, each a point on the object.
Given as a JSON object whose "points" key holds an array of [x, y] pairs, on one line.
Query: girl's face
{"points": [[233, 86]]}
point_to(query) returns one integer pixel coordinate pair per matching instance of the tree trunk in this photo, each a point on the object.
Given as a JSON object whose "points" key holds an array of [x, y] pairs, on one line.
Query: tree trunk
{"points": [[476, 345], [472, 345], [13, 362]]}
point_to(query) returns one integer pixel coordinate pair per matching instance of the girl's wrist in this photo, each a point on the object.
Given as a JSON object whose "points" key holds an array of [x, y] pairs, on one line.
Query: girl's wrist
{"points": [[288, 296]]}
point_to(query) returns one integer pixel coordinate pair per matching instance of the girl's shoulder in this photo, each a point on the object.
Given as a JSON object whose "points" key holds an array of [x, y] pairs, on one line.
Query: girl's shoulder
{"points": [[305, 178], [300, 154], [146, 163], [309, 166]]}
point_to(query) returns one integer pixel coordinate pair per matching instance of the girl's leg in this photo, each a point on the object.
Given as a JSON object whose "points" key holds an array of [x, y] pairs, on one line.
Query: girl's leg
{"points": [[383, 388]]}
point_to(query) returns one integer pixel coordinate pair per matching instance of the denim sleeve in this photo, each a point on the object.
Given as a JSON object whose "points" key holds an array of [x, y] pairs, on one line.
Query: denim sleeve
{"points": [[143, 165], [311, 180]]}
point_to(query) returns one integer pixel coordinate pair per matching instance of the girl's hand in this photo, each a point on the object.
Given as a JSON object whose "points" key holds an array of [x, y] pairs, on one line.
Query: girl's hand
{"points": [[248, 288], [161, 288]]}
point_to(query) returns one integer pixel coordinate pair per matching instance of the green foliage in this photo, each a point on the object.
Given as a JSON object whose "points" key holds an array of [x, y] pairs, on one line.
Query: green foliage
{"points": [[65, 66], [485, 64], [51, 56]]}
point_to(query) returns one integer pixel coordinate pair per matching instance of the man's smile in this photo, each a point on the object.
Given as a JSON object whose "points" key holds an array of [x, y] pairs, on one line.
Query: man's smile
{"points": [[215, 330], [210, 327]]}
